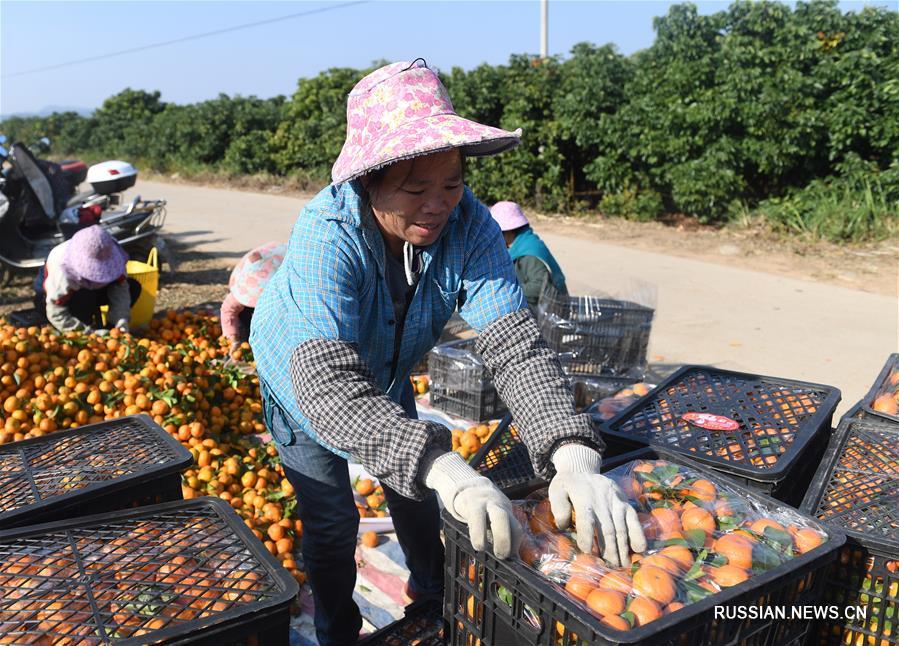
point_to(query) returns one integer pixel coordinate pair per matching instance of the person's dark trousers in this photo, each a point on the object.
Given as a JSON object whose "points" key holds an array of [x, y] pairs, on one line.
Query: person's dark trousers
{"points": [[330, 524], [244, 319], [85, 303]]}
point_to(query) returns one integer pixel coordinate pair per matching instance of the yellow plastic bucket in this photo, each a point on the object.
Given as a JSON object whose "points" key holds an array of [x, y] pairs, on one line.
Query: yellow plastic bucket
{"points": [[147, 274]]}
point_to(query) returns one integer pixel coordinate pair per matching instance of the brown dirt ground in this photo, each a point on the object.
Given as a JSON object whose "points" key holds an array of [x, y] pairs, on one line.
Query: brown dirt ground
{"points": [[201, 278], [871, 267]]}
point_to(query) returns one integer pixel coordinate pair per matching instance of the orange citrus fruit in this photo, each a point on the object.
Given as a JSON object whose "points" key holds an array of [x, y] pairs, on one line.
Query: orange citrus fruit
{"points": [[736, 548], [728, 575], [680, 555], [617, 580], [606, 602], [645, 610], [580, 586], [616, 622], [704, 490], [698, 518], [807, 539], [655, 583], [668, 520], [759, 526]]}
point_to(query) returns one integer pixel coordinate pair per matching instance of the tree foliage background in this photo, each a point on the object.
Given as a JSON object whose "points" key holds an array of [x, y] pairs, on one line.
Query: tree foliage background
{"points": [[759, 109]]}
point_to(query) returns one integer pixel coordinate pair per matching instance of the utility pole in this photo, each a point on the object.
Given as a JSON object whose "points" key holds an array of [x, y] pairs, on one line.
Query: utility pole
{"points": [[544, 24]]}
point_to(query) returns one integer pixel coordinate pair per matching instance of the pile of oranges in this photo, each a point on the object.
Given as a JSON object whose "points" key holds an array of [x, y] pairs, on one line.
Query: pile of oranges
{"points": [[886, 400], [702, 537], [467, 442], [370, 500], [181, 374]]}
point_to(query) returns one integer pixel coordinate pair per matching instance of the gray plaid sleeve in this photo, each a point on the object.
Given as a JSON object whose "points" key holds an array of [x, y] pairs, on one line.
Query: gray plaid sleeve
{"points": [[529, 379], [337, 392]]}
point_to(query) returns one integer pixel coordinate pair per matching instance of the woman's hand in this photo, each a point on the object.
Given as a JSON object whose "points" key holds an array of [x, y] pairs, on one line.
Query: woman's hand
{"points": [[477, 502], [598, 503]]}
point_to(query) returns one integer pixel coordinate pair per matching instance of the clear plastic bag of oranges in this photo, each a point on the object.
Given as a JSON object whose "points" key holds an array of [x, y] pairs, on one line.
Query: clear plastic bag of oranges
{"points": [[703, 536]]}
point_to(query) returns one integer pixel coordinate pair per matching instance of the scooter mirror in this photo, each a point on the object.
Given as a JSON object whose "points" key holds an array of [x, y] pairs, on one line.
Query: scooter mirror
{"points": [[2, 139], [45, 142]]}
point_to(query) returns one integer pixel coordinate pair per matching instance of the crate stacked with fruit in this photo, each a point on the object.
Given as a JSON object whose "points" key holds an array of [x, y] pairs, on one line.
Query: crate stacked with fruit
{"points": [[710, 543], [174, 572], [855, 490], [882, 401], [111, 465]]}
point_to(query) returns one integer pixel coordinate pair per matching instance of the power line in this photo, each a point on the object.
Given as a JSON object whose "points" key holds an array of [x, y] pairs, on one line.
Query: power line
{"points": [[185, 39]]}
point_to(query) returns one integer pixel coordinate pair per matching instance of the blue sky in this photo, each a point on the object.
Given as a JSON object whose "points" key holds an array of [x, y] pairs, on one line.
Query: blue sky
{"points": [[267, 60]]}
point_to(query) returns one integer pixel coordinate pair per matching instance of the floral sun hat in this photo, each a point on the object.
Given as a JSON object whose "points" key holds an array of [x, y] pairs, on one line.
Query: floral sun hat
{"points": [[254, 270], [402, 111]]}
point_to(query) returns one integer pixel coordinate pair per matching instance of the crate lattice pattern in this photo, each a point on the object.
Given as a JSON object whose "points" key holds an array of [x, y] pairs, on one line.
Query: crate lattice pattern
{"points": [[105, 582], [863, 491], [867, 579], [508, 463], [58, 466]]}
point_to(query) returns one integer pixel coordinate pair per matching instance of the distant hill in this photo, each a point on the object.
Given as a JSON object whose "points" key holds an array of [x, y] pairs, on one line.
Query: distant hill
{"points": [[48, 110]]}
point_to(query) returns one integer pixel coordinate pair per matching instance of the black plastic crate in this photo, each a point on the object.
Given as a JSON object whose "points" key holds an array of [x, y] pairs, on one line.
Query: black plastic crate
{"points": [[596, 335], [27, 318], [185, 571], [781, 429], [856, 490], [421, 625], [456, 366], [887, 382], [477, 406], [461, 385], [493, 601], [111, 465], [504, 459]]}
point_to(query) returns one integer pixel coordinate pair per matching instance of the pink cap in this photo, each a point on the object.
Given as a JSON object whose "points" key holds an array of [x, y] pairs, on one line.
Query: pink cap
{"points": [[509, 215]]}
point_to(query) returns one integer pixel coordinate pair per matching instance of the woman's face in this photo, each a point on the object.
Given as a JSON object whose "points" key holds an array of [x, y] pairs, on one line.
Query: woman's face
{"points": [[415, 198]]}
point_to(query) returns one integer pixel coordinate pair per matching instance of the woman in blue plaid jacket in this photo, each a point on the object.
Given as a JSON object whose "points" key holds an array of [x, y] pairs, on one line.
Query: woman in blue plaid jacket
{"points": [[376, 264]]}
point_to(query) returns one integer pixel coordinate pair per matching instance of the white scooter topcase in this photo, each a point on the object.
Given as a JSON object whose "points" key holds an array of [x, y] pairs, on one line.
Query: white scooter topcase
{"points": [[111, 177]]}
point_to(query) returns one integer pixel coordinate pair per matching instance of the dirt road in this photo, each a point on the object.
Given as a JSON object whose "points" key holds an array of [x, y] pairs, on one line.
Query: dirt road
{"points": [[720, 313]]}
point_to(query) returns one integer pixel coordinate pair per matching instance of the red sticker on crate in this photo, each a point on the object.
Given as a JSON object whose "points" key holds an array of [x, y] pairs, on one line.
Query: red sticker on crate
{"points": [[711, 422]]}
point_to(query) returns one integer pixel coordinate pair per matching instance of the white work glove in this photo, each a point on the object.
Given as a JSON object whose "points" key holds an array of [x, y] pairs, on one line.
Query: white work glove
{"points": [[100, 332], [122, 324], [598, 504], [473, 499]]}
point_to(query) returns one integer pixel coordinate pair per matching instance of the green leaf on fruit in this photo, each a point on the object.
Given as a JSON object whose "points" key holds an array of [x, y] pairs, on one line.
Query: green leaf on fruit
{"points": [[695, 537], [779, 536]]}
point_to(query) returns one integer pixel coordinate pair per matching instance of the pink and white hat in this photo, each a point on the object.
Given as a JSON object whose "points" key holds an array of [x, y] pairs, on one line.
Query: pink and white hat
{"points": [[94, 256], [508, 215], [254, 270], [402, 111]]}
